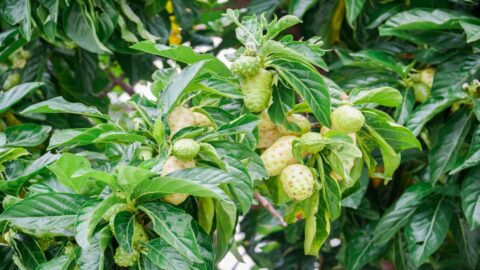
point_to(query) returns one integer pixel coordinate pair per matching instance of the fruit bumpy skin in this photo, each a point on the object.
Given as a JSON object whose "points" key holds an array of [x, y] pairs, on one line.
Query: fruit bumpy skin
{"points": [[422, 92], [267, 137], [45, 242], [347, 119], [125, 259], [114, 210], [297, 181], [298, 119], [257, 90], [279, 155], [246, 65], [202, 120], [185, 149], [173, 164], [265, 122], [312, 142], [180, 118]]}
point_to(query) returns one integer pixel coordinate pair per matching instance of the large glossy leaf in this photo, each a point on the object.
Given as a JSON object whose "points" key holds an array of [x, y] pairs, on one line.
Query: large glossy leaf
{"points": [[18, 11], [451, 75], [470, 194], [472, 158], [16, 93], [353, 9], [93, 256], [400, 256], [201, 182], [79, 26], [468, 241], [128, 177], [243, 186], [287, 21], [58, 263], [46, 214], [362, 249], [425, 112], [163, 255], [177, 87], [123, 227], [428, 227], [182, 54], [299, 7], [26, 135], [60, 105], [226, 217], [309, 84], [175, 227], [28, 250], [398, 214], [386, 96], [445, 149], [78, 137]]}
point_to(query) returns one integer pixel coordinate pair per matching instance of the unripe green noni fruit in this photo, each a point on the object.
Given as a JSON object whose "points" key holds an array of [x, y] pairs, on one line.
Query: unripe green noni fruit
{"points": [[297, 181], [124, 258], [347, 119], [179, 118], [267, 137], [257, 90], [279, 155], [246, 65], [312, 142], [9, 201], [173, 164], [45, 242], [185, 149], [110, 214], [139, 234], [298, 119], [422, 92], [145, 153], [11, 81]]}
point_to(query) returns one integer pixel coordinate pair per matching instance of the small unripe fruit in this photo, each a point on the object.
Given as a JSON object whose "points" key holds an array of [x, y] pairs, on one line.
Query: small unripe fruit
{"points": [[9, 201], [173, 164], [312, 142], [265, 123], [347, 119], [298, 119], [279, 155], [267, 137], [145, 153], [180, 118], [45, 242], [110, 214], [11, 81], [202, 120], [257, 90], [422, 92], [124, 258], [297, 181], [185, 149], [246, 65], [427, 76]]}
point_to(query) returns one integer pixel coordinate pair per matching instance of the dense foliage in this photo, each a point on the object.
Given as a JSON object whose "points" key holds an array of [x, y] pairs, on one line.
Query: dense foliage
{"points": [[348, 140]]}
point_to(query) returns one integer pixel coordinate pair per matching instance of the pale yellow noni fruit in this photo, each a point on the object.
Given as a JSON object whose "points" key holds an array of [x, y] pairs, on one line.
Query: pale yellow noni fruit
{"points": [[279, 155], [202, 120], [347, 119], [180, 118], [267, 137], [298, 119], [297, 181], [265, 122], [173, 164]]}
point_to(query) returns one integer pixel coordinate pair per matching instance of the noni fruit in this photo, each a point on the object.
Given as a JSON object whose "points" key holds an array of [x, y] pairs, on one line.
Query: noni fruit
{"points": [[312, 142], [185, 149], [297, 181], [347, 119], [279, 155], [298, 119], [179, 118], [246, 65], [173, 164], [257, 90]]}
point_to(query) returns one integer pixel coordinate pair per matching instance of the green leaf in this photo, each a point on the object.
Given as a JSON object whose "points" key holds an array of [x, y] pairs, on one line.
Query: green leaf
{"points": [[299, 7], [317, 223], [353, 9], [58, 263], [403, 112], [470, 198], [160, 253], [311, 49], [93, 256], [248, 32], [78, 137], [385, 96], [361, 249], [398, 214], [175, 227], [400, 257], [243, 186], [18, 11], [79, 26], [309, 84], [184, 54], [428, 228], [226, 217], [89, 216], [129, 177], [472, 157], [285, 22], [114, 136], [376, 59], [170, 97], [451, 75], [123, 226], [16, 93], [28, 250], [60, 105], [201, 182], [46, 214], [468, 242], [26, 135], [449, 141], [425, 112]]}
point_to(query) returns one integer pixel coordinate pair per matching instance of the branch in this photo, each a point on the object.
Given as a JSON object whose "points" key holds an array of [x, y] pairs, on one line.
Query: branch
{"points": [[267, 205], [119, 81]]}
